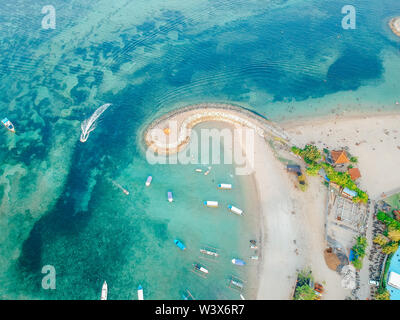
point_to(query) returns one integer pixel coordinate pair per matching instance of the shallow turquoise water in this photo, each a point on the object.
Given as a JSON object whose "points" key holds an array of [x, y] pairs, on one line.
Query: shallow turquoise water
{"points": [[284, 59]]}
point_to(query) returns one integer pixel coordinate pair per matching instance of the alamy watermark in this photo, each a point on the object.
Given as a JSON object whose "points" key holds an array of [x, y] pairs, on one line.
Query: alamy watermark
{"points": [[349, 20], [206, 147], [49, 20], [49, 280]]}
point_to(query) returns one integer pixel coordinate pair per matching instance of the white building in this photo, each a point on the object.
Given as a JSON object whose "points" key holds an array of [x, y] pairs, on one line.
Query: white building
{"points": [[394, 280]]}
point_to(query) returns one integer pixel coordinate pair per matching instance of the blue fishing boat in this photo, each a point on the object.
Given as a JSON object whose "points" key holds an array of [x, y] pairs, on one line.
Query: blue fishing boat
{"points": [[7, 123], [179, 244], [238, 262]]}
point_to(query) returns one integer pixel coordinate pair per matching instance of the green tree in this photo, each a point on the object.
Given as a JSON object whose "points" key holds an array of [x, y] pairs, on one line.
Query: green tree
{"points": [[305, 292], [390, 248], [310, 154], [360, 246], [394, 234], [312, 169], [382, 295], [381, 240], [354, 159], [357, 263]]}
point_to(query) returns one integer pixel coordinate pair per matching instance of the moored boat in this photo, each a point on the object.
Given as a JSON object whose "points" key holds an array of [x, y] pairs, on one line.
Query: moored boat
{"points": [[148, 181], [225, 186], [140, 293], [200, 268], [235, 210], [170, 198], [179, 244], [211, 204], [7, 123], [238, 262], [209, 252], [104, 291]]}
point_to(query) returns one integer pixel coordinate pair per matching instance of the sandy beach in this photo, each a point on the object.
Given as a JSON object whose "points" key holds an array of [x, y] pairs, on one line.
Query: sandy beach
{"points": [[293, 221], [395, 25]]}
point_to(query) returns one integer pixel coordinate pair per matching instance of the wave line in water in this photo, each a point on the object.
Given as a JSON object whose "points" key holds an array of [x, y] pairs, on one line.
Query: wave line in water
{"points": [[89, 124]]}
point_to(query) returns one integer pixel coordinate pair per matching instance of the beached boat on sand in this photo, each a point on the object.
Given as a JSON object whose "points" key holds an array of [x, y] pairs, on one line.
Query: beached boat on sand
{"points": [[7, 123]]}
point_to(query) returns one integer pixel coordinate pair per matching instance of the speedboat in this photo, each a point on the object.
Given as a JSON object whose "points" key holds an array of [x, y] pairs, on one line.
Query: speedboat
{"points": [[238, 262], [7, 123]]}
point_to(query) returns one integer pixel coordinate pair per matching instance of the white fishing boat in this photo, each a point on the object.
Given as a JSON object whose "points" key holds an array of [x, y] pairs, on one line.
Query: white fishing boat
{"points": [[170, 198], [199, 170], [225, 186], [148, 181], [209, 252], [235, 210], [200, 268], [211, 204], [104, 291], [140, 293]]}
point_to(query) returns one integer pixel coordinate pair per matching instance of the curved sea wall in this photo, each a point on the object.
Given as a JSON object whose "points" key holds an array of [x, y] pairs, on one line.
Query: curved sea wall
{"points": [[395, 25], [171, 132]]}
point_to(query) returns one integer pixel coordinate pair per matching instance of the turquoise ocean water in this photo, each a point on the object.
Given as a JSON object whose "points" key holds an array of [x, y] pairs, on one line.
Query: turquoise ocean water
{"points": [[283, 58]]}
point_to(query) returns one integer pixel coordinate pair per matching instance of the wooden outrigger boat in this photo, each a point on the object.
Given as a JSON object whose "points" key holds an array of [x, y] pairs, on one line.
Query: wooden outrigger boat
{"points": [[236, 283], [200, 270], [209, 253]]}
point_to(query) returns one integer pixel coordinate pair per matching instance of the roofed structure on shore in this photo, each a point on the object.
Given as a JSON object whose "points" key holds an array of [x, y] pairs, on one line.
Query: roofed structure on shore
{"points": [[339, 157], [349, 193], [354, 173]]}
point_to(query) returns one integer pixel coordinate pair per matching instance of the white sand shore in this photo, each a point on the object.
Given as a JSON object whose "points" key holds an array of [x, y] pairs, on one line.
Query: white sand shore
{"points": [[293, 228], [293, 221]]}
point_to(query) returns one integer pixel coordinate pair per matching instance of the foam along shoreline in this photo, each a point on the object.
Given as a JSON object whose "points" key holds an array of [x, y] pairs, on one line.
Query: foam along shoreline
{"points": [[395, 25], [171, 133]]}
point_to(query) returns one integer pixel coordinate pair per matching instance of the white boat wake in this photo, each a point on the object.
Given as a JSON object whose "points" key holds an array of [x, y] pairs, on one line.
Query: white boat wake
{"points": [[89, 125]]}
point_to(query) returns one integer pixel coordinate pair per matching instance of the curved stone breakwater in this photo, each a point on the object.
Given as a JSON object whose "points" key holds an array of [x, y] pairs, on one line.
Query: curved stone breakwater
{"points": [[171, 132], [395, 25]]}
